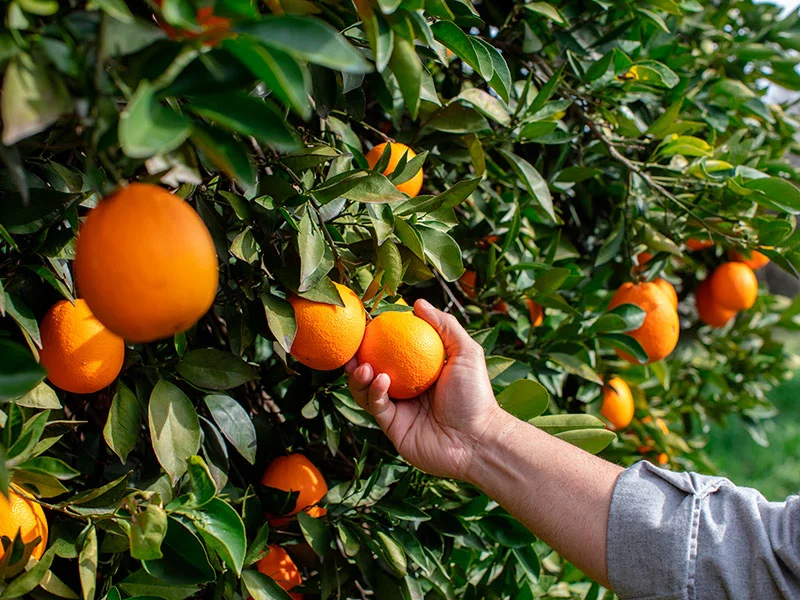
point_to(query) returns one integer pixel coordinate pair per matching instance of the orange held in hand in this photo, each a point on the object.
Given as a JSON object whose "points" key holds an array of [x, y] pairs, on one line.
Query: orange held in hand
{"points": [[295, 473], [79, 354], [658, 335], [734, 286], [411, 187], [328, 335], [18, 514], [407, 349], [755, 262], [278, 565], [617, 403], [146, 263], [709, 311]]}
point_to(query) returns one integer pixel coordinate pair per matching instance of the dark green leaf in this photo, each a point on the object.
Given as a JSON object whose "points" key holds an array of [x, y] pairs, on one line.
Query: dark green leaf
{"points": [[124, 422], [524, 398], [222, 529], [174, 428], [234, 423], [215, 370], [147, 128]]}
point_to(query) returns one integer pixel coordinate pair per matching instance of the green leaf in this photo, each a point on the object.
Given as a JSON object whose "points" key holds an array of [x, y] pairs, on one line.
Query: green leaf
{"points": [[626, 344], [215, 369], [547, 91], [42, 397], [486, 104], [234, 423], [23, 316], [247, 115], [613, 243], [506, 531], [407, 68], [147, 531], [174, 428], [317, 533], [524, 398], [185, 558], [261, 587], [245, 247], [222, 529], [87, 563], [777, 194], [48, 465], [685, 145], [281, 320], [451, 35], [24, 446], [392, 553], [532, 181], [311, 244], [653, 73], [141, 583], [591, 440], [551, 280], [117, 9], [362, 186], [496, 365], [25, 583], [147, 128], [310, 39], [456, 117], [547, 10], [201, 482], [442, 251], [124, 422], [226, 152], [576, 366], [554, 424]]}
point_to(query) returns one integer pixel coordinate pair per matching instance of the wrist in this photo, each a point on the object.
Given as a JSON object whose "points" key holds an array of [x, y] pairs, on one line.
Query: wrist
{"points": [[487, 447]]}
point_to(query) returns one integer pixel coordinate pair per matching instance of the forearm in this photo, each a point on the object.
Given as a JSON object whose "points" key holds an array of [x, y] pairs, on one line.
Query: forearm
{"points": [[559, 492]]}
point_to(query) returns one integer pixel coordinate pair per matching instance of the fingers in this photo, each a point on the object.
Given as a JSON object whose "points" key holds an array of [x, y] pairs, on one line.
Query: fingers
{"points": [[371, 393], [455, 337], [359, 378]]}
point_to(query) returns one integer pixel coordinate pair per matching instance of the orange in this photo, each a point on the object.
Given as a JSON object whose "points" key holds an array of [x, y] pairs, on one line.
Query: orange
{"points": [[468, 283], [79, 354], [660, 423], [295, 473], [658, 335], [617, 403], [709, 311], [755, 262], [145, 263], [17, 513], [536, 312], [662, 458], [278, 565], [213, 28], [328, 335], [407, 349], [734, 286], [411, 187], [644, 257], [669, 291], [695, 244], [500, 307]]}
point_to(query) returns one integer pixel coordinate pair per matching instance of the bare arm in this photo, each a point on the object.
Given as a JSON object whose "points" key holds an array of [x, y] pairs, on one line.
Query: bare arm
{"points": [[456, 429]]}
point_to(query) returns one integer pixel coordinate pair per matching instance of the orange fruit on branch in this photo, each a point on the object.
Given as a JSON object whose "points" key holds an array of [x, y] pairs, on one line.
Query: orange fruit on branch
{"points": [[734, 286], [617, 403], [407, 349], [536, 312], [213, 28], [411, 187], [278, 565], [668, 289], [146, 263], [18, 514], [696, 244], [328, 335], [755, 260], [78, 352], [709, 311], [658, 334], [295, 473], [468, 283]]}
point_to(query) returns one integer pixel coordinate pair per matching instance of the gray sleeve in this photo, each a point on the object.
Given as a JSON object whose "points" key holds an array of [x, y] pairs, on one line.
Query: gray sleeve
{"points": [[684, 536]]}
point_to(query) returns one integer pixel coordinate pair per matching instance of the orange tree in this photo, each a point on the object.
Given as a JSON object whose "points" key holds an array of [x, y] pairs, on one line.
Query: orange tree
{"points": [[557, 141]]}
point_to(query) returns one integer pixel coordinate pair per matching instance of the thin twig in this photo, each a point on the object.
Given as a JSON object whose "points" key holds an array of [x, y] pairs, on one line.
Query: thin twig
{"points": [[453, 298]]}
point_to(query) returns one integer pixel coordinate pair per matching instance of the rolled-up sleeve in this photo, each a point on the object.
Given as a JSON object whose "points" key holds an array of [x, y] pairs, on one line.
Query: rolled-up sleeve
{"points": [[684, 536]]}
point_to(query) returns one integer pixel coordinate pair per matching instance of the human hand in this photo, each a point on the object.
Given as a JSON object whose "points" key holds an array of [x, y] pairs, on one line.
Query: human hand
{"points": [[440, 430]]}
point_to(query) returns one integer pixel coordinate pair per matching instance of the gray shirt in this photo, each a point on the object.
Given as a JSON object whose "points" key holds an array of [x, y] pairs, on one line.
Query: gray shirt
{"points": [[684, 536]]}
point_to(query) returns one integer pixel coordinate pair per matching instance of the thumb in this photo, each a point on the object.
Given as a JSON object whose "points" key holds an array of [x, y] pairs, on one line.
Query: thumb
{"points": [[455, 338]]}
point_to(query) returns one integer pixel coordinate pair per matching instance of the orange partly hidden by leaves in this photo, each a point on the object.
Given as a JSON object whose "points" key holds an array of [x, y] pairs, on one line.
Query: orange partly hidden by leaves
{"points": [[468, 283], [411, 187], [213, 28], [643, 258], [709, 311], [295, 473], [658, 335], [734, 286], [407, 349], [695, 244], [668, 289], [660, 423], [79, 354], [17, 513], [617, 403], [536, 312], [328, 335], [278, 565], [755, 261], [146, 264]]}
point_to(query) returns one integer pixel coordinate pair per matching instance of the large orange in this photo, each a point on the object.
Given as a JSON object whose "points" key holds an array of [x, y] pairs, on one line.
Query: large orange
{"points": [[407, 349], [411, 187], [617, 403], [328, 335], [658, 335], [755, 261], [536, 312], [668, 289], [278, 565], [695, 244], [295, 473], [17, 513], [145, 263], [734, 286], [79, 354], [709, 311]]}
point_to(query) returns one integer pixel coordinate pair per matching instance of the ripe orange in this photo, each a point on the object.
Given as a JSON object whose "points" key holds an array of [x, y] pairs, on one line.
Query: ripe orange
{"points": [[643, 258], [500, 307], [468, 282], [279, 566], [659, 333], [146, 264], [662, 458], [695, 244], [407, 349], [17, 513], [617, 403], [411, 187], [709, 311], [213, 28], [755, 262], [669, 291], [328, 335], [295, 473], [660, 423], [536, 312], [78, 352], [734, 286]]}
